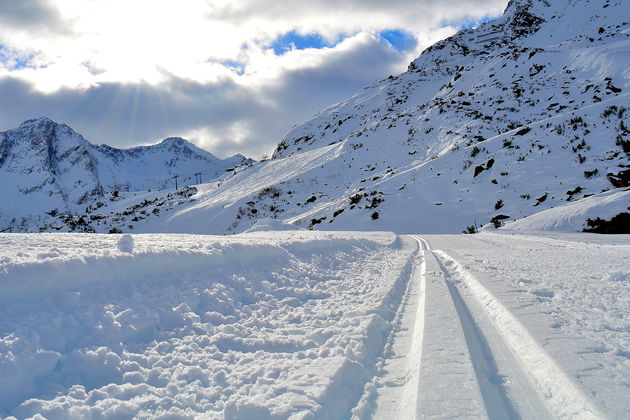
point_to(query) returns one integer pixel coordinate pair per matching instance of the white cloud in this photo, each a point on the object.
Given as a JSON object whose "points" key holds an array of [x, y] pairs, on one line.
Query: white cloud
{"points": [[202, 68]]}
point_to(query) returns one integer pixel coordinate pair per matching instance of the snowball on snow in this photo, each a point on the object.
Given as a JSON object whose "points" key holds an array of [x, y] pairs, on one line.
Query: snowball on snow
{"points": [[125, 244]]}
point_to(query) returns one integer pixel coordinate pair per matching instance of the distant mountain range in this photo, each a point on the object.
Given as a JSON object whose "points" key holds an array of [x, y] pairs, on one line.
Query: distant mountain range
{"points": [[47, 168], [524, 115]]}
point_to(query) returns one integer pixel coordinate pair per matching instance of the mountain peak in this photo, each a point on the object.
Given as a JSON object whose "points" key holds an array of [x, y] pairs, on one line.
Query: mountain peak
{"points": [[38, 122], [178, 143], [174, 140], [47, 127]]}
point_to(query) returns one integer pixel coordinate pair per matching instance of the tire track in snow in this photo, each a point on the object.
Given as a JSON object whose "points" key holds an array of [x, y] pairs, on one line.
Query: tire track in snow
{"points": [[563, 398]]}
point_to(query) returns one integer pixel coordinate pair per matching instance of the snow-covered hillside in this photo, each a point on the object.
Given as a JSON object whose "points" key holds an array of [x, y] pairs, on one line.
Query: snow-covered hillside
{"points": [[520, 115], [300, 324], [517, 116], [47, 169]]}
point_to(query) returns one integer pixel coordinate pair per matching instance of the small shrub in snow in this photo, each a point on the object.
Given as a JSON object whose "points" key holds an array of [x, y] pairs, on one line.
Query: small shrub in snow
{"points": [[571, 193], [316, 221], [623, 143], [619, 224], [355, 199], [497, 220], [609, 111], [469, 230], [620, 179], [590, 174], [541, 199], [498, 204], [523, 131]]}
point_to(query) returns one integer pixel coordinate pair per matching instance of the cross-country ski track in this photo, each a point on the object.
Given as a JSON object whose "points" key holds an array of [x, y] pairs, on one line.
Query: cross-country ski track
{"points": [[456, 351]]}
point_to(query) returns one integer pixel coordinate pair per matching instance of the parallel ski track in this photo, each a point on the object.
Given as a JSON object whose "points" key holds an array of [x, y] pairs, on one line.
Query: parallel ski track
{"points": [[408, 324], [454, 350], [561, 396]]}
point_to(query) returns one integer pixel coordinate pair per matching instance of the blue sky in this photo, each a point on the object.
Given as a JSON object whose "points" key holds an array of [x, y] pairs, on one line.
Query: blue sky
{"points": [[288, 41], [399, 39], [14, 60], [231, 76]]}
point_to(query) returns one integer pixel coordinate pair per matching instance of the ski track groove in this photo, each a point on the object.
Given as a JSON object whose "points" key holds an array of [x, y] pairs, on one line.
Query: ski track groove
{"points": [[563, 398], [448, 385], [405, 407], [491, 381]]}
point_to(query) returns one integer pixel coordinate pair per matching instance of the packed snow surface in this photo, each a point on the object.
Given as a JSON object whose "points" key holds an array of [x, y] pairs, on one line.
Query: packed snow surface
{"points": [[305, 324]]}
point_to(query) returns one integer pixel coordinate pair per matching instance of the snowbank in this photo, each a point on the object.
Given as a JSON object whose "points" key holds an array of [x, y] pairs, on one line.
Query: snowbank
{"points": [[572, 217], [187, 325]]}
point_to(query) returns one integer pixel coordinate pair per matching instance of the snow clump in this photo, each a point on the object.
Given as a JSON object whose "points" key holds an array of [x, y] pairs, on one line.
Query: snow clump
{"points": [[125, 244]]}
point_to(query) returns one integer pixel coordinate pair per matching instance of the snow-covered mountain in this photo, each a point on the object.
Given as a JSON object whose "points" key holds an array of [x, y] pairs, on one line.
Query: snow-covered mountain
{"points": [[48, 169], [519, 115]]}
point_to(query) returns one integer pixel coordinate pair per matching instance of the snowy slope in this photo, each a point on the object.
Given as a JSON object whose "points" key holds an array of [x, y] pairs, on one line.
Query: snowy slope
{"points": [[304, 324], [572, 217], [47, 167], [520, 115]]}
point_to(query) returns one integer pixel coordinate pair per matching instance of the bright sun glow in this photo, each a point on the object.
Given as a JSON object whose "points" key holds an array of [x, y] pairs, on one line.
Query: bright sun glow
{"points": [[150, 41], [232, 75]]}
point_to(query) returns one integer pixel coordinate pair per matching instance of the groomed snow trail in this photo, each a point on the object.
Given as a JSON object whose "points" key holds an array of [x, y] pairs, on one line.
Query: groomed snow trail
{"points": [[393, 391], [561, 395], [456, 351]]}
